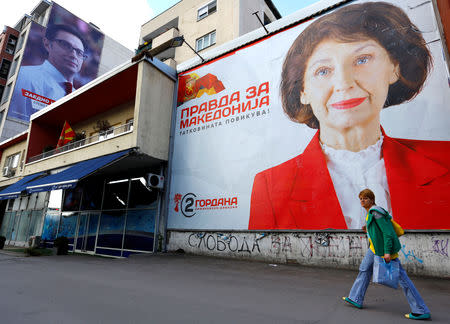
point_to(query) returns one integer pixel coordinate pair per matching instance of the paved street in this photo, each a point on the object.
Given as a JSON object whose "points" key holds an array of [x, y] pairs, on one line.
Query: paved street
{"points": [[191, 289]]}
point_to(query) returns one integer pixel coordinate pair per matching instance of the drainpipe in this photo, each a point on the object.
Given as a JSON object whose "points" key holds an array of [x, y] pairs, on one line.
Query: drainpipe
{"points": [[169, 166]]}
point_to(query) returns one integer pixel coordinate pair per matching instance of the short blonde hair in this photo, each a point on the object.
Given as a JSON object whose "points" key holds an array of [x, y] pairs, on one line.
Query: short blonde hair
{"points": [[367, 193]]}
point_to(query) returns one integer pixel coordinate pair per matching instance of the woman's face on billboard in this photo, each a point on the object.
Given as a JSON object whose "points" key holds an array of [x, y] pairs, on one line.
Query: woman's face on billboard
{"points": [[347, 84]]}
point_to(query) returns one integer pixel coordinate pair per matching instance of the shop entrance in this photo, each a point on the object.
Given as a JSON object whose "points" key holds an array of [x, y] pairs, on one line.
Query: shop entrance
{"points": [[87, 232], [13, 222]]}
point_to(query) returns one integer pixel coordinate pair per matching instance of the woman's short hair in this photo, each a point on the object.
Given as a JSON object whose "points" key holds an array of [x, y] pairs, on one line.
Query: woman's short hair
{"points": [[367, 193], [380, 21]]}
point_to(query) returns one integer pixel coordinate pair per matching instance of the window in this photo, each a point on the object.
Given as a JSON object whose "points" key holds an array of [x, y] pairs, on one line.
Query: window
{"points": [[6, 93], [72, 199], [9, 49], [13, 69], [92, 194], [2, 88], [11, 45], [4, 69], [12, 40], [116, 194], [11, 163], [207, 10], [205, 41], [266, 19]]}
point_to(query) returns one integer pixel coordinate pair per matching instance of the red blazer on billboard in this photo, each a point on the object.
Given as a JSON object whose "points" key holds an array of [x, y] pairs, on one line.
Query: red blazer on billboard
{"points": [[299, 193]]}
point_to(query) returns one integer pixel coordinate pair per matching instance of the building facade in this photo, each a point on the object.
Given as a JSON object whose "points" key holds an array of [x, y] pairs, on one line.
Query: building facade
{"points": [[8, 42], [95, 189], [204, 25], [37, 76]]}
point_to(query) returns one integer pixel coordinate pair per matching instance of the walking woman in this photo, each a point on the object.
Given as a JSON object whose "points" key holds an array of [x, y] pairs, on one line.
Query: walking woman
{"points": [[384, 243]]}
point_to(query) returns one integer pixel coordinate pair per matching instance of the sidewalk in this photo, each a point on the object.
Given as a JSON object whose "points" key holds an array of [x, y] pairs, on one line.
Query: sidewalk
{"points": [[12, 251], [178, 288]]}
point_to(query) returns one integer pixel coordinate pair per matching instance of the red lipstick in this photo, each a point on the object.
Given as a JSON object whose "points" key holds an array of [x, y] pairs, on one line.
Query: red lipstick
{"points": [[347, 104]]}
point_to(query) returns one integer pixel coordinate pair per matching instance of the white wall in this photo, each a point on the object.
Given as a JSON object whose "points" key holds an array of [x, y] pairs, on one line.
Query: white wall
{"points": [[423, 254], [113, 54], [153, 113], [248, 21]]}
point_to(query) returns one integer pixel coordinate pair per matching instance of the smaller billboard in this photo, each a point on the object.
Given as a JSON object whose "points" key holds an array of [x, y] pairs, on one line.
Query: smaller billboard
{"points": [[57, 60]]}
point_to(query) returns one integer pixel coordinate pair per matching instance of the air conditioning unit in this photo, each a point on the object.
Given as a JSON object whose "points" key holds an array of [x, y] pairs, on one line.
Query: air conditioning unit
{"points": [[155, 181]]}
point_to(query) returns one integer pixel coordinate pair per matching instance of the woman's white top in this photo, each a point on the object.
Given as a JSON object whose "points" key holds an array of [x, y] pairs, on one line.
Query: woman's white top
{"points": [[352, 172]]}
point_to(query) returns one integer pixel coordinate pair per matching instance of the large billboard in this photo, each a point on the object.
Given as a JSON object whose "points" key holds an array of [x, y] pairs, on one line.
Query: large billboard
{"points": [[285, 132], [57, 60]]}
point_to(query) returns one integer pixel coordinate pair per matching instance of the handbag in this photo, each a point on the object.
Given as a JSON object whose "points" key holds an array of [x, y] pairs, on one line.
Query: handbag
{"points": [[386, 273], [397, 228]]}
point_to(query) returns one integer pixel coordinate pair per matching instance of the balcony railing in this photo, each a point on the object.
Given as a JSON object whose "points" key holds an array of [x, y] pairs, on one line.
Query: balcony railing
{"points": [[103, 135]]}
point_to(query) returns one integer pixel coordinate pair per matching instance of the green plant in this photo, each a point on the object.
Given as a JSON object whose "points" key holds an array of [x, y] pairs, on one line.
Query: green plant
{"points": [[2, 242], [79, 136], [102, 125], [62, 245]]}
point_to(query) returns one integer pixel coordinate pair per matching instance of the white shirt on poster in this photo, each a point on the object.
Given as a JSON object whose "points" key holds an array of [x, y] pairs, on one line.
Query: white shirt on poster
{"points": [[352, 172], [37, 86]]}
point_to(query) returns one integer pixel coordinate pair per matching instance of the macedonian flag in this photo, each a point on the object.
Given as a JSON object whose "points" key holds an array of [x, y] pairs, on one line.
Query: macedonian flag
{"points": [[192, 86], [66, 136]]}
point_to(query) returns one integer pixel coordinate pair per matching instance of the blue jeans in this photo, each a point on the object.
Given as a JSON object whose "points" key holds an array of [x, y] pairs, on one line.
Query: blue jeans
{"points": [[362, 281]]}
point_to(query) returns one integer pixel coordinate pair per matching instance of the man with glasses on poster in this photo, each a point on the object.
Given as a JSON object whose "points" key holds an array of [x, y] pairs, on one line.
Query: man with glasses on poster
{"points": [[40, 85]]}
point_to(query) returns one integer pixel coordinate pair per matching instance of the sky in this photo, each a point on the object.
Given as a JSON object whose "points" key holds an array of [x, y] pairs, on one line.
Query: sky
{"points": [[120, 22]]}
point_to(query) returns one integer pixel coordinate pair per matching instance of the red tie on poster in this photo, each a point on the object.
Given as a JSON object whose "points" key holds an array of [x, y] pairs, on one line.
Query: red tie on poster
{"points": [[68, 87], [66, 136]]}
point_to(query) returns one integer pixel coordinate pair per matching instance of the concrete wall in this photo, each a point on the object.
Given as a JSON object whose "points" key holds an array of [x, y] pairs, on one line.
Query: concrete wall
{"points": [[232, 19], [424, 254], [154, 104], [113, 54], [164, 37], [224, 21], [248, 21]]}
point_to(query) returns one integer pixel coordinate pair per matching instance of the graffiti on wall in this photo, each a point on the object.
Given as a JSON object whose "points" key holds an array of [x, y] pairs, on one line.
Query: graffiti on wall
{"points": [[305, 245], [410, 255], [225, 242], [440, 247]]}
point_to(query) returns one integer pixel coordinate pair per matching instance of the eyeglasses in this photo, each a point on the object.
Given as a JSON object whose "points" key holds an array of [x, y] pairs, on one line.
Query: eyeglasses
{"points": [[66, 46]]}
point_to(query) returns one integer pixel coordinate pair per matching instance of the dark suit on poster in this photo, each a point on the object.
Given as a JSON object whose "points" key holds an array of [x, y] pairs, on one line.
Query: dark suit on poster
{"points": [[299, 193]]}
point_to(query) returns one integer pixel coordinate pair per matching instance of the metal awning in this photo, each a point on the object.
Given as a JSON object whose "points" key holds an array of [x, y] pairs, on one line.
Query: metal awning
{"points": [[13, 191], [69, 177]]}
